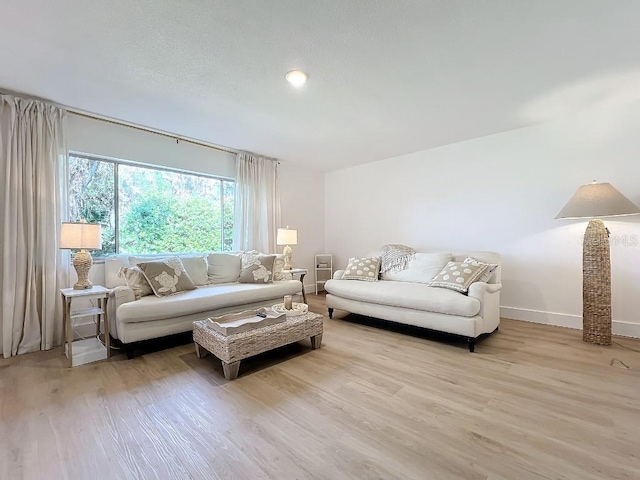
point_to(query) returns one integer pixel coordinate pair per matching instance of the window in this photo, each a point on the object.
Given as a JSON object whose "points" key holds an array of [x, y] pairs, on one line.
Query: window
{"points": [[151, 210]]}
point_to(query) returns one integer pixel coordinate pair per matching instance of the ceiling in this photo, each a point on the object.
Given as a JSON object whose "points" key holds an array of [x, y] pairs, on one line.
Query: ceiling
{"points": [[385, 77]]}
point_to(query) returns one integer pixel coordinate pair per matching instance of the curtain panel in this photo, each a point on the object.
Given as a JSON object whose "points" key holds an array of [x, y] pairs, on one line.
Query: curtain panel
{"points": [[257, 203], [32, 196]]}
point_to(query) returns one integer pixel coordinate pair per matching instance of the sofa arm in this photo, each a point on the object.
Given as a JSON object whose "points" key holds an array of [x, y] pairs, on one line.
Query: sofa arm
{"points": [[489, 296], [121, 295], [337, 275]]}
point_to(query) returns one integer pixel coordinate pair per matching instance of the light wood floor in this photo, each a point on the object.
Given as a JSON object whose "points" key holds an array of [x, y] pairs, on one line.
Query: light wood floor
{"points": [[532, 402]]}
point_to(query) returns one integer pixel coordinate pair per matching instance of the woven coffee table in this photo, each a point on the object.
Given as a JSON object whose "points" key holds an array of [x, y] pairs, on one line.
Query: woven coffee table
{"points": [[232, 349]]}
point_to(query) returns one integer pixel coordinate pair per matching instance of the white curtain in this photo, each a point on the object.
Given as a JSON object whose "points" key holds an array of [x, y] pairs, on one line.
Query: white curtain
{"points": [[32, 182], [257, 203]]}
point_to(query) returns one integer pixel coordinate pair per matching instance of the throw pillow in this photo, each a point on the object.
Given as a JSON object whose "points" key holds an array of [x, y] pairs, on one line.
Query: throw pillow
{"points": [[362, 268], [223, 267], [195, 265], [486, 276], [256, 267], [167, 276], [422, 269], [458, 276], [136, 281], [278, 265]]}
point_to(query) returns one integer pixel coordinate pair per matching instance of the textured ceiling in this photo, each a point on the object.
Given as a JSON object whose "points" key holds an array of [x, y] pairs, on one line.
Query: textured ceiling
{"points": [[385, 77]]}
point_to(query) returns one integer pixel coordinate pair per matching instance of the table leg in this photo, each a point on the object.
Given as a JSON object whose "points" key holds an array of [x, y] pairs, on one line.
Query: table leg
{"points": [[230, 369], [304, 296], [107, 333], [68, 330], [201, 352], [316, 341]]}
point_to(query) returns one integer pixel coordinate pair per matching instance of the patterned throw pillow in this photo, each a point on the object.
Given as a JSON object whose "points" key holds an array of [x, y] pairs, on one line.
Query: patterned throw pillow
{"points": [[362, 268], [167, 276], [278, 265], [256, 267], [459, 275], [136, 281], [486, 276]]}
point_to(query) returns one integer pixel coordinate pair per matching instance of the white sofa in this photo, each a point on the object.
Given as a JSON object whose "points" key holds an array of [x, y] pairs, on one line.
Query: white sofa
{"points": [[404, 300], [132, 320]]}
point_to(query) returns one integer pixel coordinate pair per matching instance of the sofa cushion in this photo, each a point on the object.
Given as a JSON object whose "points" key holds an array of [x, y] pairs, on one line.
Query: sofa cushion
{"points": [[203, 299], [223, 267], [195, 265], [362, 268], [136, 281], [421, 269], [167, 276], [417, 296], [278, 265], [256, 267], [459, 275], [488, 273]]}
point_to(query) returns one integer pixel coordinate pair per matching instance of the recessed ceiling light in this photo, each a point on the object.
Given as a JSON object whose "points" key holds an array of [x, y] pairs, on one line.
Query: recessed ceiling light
{"points": [[296, 78]]}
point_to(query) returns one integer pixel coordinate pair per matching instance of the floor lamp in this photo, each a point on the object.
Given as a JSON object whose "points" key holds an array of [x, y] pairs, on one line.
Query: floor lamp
{"points": [[592, 201]]}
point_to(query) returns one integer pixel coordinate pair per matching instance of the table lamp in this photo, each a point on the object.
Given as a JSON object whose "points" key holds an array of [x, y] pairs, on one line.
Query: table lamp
{"points": [[591, 201], [287, 237], [82, 236]]}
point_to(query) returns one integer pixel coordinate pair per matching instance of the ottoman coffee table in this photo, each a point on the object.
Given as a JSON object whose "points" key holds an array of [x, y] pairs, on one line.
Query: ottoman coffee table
{"points": [[231, 349]]}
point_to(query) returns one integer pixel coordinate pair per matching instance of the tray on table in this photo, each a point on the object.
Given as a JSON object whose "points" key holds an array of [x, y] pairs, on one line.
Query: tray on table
{"points": [[244, 321]]}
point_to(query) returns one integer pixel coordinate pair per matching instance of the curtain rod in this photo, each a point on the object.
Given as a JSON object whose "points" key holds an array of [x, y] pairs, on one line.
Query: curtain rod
{"points": [[177, 138]]}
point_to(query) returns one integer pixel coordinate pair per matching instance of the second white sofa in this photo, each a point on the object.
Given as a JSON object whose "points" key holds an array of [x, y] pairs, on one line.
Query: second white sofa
{"points": [[409, 300]]}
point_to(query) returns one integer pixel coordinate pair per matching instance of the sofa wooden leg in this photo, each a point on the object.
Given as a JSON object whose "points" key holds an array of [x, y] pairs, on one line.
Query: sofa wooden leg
{"points": [[128, 348], [330, 313], [472, 344]]}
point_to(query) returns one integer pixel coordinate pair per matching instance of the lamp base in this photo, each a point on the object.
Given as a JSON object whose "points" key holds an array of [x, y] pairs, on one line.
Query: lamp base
{"points": [[288, 253], [596, 285], [82, 262]]}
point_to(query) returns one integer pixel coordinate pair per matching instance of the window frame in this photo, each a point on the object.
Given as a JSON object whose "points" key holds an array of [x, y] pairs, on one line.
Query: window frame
{"points": [[116, 204]]}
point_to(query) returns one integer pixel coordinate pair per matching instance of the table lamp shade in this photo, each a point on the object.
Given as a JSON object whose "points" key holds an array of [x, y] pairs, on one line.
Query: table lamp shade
{"points": [[287, 236], [598, 200], [81, 236]]}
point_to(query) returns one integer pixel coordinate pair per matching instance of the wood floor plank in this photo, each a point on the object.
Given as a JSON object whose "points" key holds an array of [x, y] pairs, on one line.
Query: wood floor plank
{"points": [[376, 401]]}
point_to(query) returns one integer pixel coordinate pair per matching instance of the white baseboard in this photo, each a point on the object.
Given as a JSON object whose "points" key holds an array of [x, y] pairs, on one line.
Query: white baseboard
{"points": [[618, 327]]}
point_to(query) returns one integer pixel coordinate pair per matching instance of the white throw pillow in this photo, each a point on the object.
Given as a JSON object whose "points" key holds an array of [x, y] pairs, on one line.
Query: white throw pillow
{"points": [[224, 267], [278, 265], [422, 269]]}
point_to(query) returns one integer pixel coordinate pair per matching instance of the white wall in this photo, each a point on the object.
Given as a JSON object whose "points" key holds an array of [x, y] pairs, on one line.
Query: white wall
{"points": [[302, 190], [302, 200], [502, 193]]}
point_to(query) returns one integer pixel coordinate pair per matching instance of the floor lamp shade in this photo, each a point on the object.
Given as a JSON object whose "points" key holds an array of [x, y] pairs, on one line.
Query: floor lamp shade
{"points": [[81, 236], [287, 236], [591, 201]]}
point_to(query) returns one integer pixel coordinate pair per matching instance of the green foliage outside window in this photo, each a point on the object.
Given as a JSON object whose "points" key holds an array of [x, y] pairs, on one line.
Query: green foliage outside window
{"points": [[157, 211]]}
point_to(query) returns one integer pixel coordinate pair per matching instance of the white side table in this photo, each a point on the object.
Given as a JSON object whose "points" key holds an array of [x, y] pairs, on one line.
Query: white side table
{"points": [[90, 349], [302, 272]]}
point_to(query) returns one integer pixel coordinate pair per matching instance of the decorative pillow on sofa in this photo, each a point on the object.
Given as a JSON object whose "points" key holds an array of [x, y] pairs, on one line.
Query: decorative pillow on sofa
{"points": [[224, 267], [422, 269], [278, 265], [486, 276], [458, 276], [362, 268], [195, 266], [136, 281], [167, 276], [256, 267]]}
